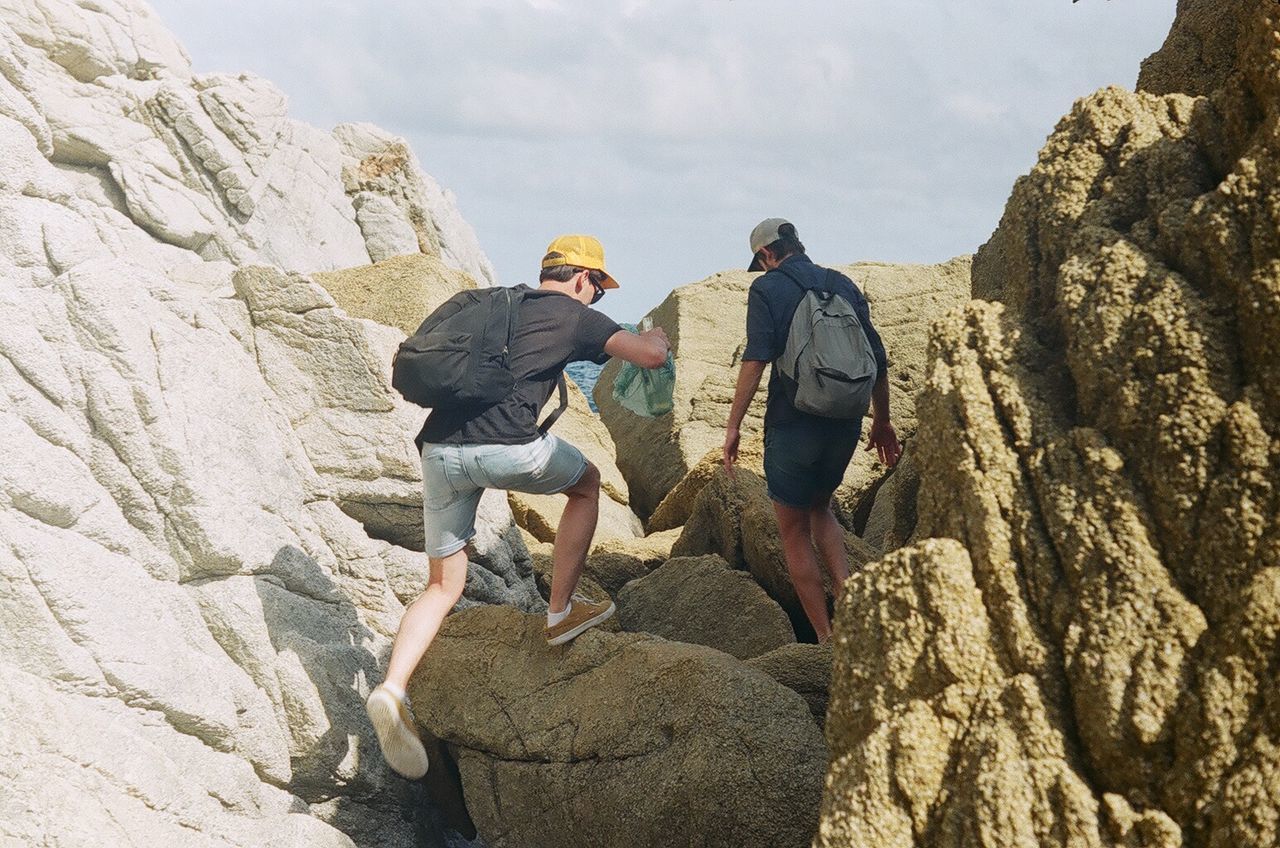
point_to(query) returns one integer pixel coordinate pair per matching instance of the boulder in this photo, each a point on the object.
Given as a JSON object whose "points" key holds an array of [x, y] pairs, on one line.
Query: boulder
{"points": [[637, 740], [803, 668], [617, 561], [1202, 48], [1091, 658], [734, 517], [706, 322], [886, 518], [702, 601], [397, 292]]}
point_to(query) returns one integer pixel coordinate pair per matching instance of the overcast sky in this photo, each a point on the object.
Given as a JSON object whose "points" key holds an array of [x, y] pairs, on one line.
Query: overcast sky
{"points": [[888, 130]]}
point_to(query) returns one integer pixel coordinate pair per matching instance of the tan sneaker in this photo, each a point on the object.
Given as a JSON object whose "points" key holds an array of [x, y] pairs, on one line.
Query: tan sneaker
{"points": [[583, 614], [397, 733]]}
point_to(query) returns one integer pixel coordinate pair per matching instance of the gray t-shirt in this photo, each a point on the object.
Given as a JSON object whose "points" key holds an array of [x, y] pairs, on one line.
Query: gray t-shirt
{"points": [[552, 330]]}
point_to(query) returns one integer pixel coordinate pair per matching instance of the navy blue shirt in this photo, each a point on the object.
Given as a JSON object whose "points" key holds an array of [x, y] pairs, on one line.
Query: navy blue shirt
{"points": [[771, 304]]}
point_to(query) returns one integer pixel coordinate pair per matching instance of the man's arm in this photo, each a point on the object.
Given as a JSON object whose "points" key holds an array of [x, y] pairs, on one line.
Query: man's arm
{"points": [[647, 349], [882, 436], [748, 383]]}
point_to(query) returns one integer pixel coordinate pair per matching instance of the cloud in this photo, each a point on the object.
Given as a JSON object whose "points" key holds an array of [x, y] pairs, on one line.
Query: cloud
{"points": [[888, 131]]}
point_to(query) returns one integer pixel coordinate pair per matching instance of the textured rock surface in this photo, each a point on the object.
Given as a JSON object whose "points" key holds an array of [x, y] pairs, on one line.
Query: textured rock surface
{"points": [[702, 601], [398, 292], [190, 619], [1096, 665], [802, 668], [1201, 50], [733, 517], [706, 322], [619, 739]]}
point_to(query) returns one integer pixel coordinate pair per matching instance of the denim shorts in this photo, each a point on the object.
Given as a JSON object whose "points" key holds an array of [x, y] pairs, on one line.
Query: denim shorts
{"points": [[807, 459], [454, 477]]}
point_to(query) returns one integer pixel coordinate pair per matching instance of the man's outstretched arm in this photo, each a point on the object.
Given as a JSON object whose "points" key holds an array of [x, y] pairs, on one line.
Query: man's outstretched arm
{"points": [[748, 383], [882, 437], [647, 349]]}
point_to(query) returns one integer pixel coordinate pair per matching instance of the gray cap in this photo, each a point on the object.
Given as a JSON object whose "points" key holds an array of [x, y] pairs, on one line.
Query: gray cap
{"points": [[765, 234]]}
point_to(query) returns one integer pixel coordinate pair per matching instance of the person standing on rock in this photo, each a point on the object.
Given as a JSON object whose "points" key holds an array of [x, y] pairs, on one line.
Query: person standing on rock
{"points": [[466, 450], [805, 455]]}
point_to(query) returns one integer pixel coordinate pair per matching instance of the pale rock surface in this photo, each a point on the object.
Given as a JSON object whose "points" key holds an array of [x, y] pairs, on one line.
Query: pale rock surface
{"points": [[211, 163], [1093, 659], [702, 601], [630, 739], [706, 322], [191, 621]]}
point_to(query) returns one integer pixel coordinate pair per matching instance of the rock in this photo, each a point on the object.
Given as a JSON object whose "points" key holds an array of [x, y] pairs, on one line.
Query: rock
{"points": [[615, 562], [400, 208], [1201, 50], [889, 518], [702, 601], [399, 292], [933, 740], [655, 454], [676, 508], [1110, 624], [189, 612], [648, 742], [805, 669], [735, 519]]}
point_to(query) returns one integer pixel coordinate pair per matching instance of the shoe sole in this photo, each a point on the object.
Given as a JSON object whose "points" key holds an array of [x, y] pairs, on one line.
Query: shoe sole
{"points": [[401, 747], [583, 627]]}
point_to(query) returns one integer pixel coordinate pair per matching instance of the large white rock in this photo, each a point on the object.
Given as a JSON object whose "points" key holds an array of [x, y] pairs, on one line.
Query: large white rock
{"points": [[189, 620]]}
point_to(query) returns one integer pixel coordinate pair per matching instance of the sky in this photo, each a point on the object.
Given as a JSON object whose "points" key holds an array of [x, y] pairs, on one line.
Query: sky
{"points": [[889, 130]]}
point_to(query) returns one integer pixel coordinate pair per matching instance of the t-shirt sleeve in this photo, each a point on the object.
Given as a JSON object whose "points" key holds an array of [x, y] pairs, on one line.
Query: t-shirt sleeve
{"points": [[760, 327], [594, 329], [863, 310]]}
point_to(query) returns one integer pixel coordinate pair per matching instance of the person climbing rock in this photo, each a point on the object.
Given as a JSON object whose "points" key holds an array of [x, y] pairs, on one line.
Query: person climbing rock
{"points": [[466, 449], [829, 365]]}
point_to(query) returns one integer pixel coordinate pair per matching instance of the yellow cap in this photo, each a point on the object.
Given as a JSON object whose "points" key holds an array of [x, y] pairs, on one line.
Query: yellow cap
{"points": [[582, 251]]}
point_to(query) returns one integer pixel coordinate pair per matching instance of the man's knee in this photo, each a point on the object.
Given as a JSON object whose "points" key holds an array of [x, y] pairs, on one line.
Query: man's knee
{"points": [[588, 485]]}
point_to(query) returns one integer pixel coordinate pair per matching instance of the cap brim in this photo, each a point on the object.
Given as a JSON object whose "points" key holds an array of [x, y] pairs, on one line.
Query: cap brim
{"points": [[609, 282], [755, 263]]}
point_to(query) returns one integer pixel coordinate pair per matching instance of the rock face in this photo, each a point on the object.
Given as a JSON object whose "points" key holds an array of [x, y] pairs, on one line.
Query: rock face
{"points": [[706, 322], [804, 669], [191, 620], [1095, 665], [639, 741], [702, 601], [1202, 49], [399, 292]]}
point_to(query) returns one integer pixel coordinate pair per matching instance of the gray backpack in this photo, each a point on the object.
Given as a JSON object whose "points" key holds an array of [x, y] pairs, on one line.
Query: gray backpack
{"points": [[827, 365]]}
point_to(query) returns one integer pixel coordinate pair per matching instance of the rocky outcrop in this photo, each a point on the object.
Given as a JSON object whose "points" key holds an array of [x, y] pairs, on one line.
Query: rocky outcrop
{"points": [[1201, 51], [1094, 664], [702, 601], [646, 742], [191, 618], [706, 322]]}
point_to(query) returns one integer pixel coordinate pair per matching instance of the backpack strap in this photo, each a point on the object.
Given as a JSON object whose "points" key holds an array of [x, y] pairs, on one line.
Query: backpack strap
{"points": [[558, 411]]}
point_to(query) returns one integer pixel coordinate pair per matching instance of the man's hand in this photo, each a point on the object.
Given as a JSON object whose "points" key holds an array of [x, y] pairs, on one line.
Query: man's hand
{"points": [[659, 334], [731, 439], [884, 440]]}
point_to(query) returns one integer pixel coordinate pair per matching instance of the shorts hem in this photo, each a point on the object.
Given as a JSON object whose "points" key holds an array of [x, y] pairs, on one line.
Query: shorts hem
{"points": [[576, 477], [450, 549]]}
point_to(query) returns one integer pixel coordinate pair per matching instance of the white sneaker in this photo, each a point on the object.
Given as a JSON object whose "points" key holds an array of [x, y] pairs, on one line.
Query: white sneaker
{"points": [[397, 733]]}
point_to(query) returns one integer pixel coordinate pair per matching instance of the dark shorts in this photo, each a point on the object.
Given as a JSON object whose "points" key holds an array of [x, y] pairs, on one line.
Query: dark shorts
{"points": [[806, 459]]}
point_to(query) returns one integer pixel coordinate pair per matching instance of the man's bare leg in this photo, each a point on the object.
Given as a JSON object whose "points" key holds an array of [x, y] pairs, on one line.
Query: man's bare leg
{"points": [[828, 538], [423, 617], [802, 564], [573, 538]]}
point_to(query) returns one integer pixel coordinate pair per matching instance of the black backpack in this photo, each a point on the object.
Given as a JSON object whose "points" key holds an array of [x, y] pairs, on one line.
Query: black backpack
{"points": [[461, 354]]}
